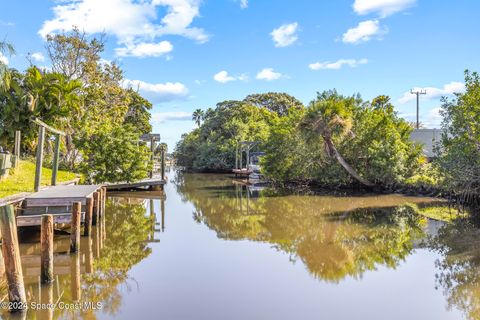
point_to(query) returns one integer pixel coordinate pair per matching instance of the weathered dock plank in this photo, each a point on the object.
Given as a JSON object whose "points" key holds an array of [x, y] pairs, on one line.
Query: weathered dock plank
{"points": [[35, 220], [61, 196]]}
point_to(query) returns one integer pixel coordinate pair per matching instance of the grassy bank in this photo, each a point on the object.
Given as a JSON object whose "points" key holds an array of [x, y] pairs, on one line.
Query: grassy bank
{"points": [[22, 179]]}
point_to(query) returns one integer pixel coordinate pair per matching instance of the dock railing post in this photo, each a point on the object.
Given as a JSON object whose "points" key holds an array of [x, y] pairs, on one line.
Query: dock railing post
{"points": [[16, 150], [56, 156], [163, 164], [88, 217], [38, 166], [46, 269], [75, 227], [152, 150], [11, 257]]}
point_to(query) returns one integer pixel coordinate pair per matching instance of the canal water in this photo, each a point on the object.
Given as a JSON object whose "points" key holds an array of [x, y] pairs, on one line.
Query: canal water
{"points": [[215, 249]]}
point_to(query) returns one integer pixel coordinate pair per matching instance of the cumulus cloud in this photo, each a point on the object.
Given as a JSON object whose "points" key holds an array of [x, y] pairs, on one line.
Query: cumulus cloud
{"points": [[158, 92], [363, 32], [144, 49], [433, 92], [224, 77], [160, 117], [135, 24], [37, 56], [269, 74], [285, 35], [337, 64], [383, 7], [3, 59], [243, 4]]}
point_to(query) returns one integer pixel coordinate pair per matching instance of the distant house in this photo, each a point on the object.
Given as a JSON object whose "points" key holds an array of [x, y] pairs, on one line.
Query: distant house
{"points": [[427, 138]]}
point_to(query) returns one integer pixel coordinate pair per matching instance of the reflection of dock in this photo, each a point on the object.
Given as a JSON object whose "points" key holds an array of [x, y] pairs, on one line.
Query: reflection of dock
{"points": [[147, 194]]}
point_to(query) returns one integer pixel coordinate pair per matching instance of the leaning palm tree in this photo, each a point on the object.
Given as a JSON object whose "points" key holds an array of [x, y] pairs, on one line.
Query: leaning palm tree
{"points": [[197, 116], [329, 116], [5, 77]]}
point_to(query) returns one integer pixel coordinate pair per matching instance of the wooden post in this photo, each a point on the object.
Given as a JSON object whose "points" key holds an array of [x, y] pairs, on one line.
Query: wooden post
{"points": [[38, 166], [96, 207], [46, 269], [241, 157], [236, 157], [11, 257], [152, 150], [162, 210], [75, 227], [76, 289], [46, 299], [163, 164], [88, 217], [89, 255], [56, 156], [17, 146], [104, 200]]}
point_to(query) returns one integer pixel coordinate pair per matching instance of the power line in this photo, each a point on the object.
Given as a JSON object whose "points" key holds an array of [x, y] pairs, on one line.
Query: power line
{"points": [[418, 93]]}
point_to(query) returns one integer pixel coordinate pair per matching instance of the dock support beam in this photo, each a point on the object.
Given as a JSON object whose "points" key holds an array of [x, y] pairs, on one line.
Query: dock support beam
{"points": [[11, 256], [46, 269], [38, 166], [75, 227], [88, 217], [152, 150], [56, 156]]}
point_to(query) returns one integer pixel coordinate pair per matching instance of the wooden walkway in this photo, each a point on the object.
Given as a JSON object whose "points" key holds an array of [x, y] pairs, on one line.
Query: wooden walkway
{"points": [[153, 182]]}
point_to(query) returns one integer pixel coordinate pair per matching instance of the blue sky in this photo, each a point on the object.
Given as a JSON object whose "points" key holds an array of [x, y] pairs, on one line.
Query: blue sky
{"points": [[188, 54]]}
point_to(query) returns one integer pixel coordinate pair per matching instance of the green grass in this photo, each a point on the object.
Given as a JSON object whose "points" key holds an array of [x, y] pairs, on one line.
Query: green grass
{"points": [[22, 179], [440, 212]]}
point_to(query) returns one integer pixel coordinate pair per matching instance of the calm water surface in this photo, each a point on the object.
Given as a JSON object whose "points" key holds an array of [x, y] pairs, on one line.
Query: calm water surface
{"points": [[216, 250]]}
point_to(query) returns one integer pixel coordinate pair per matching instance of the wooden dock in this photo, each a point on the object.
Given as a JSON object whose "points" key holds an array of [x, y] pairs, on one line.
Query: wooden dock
{"points": [[56, 200], [146, 183]]}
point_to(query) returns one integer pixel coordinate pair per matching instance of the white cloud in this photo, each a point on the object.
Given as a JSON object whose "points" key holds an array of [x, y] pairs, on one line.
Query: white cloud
{"points": [[285, 35], [160, 117], [224, 77], [158, 92], [3, 59], [133, 23], [144, 49], [38, 56], [383, 7], [243, 4], [337, 64], [434, 93], [269, 74], [364, 32]]}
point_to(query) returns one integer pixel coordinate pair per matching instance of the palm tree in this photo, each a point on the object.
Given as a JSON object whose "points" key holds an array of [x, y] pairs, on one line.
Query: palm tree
{"points": [[330, 116], [5, 48], [197, 116]]}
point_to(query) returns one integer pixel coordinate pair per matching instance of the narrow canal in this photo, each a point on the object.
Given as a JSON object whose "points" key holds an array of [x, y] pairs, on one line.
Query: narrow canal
{"points": [[216, 250]]}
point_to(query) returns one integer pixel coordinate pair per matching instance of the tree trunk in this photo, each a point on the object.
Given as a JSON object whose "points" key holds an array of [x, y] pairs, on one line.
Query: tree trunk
{"points": [[334, 152]]}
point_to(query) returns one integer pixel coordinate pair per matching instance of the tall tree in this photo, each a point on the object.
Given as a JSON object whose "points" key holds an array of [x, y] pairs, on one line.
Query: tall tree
{"points": [[330, 116], [5, 49], [197, 116], [278, 102]]}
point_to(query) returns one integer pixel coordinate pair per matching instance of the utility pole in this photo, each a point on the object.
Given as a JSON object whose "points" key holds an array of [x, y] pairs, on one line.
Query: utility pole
{"points": [[418, 93]]}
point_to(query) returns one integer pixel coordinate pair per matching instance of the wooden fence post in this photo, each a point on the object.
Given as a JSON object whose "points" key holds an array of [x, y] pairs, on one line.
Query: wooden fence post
{"points": [[16, 150], [38, 165], [75, 227], [56, 156], [46, 269], [88, 217], [11, 257]]}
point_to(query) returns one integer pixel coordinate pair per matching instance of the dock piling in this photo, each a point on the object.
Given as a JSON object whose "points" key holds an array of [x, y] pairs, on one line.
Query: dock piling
{"points": [[39, 161], [46, 269], [96, 207], [11, 256], [75, 227], [88, 217]]}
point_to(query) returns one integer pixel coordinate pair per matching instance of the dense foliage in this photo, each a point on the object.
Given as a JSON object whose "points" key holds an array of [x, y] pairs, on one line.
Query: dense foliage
{"points": [[335, 140], [83, 96], [459, 152]]}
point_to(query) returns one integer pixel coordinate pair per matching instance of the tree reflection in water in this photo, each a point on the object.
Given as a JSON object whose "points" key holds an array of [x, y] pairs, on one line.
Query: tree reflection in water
{"points": [[334, 236], [458, 271], [99, 272]]}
